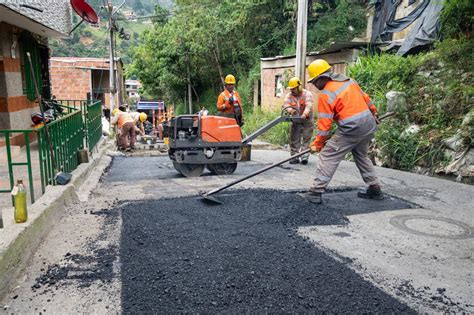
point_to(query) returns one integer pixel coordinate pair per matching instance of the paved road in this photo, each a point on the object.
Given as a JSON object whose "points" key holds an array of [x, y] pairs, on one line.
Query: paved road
{"points": [[143, 242]]}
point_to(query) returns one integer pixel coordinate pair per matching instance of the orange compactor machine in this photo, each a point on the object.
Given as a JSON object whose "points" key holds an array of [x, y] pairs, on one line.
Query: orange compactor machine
{"points": [[197, 142]]}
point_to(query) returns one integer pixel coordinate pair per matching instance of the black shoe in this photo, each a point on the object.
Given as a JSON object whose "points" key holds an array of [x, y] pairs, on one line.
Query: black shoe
{"points": [[373, 192], [295, 161], [304, 161]]}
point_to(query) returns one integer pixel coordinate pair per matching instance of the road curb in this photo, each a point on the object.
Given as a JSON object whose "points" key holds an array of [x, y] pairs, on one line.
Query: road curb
{"points": [[18, 242]]}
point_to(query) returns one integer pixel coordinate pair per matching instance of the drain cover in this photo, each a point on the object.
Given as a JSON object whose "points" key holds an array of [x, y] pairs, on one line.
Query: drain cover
{"points": [[429, 226]]}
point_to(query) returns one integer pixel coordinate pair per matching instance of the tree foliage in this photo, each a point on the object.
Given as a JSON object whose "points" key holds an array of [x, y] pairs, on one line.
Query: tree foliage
{"points": [[207, 39]]}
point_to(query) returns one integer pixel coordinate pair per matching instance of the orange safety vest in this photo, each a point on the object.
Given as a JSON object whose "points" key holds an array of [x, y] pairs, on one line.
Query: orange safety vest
{"points": [[298, 101], [351, 108], [124, 118], [223, 104]]}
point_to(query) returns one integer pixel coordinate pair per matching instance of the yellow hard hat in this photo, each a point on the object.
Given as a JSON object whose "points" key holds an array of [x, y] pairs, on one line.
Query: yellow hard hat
{"points": [[143, 117], [316, 68], [115, 111], [229, 79], [294, 82]]}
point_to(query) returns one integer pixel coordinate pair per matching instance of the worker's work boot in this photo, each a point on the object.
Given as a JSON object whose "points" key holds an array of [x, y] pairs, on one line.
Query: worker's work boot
{"points": [[295, 161], [372, 192], [312, 196], [304, 160]]}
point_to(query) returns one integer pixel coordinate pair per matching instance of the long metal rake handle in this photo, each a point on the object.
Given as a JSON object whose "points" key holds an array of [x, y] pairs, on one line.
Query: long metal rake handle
{"points": [[216, 190]]}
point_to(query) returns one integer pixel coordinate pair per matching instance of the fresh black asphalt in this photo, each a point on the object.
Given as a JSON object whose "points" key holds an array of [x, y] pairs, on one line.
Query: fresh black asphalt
{"points": [[183, 256]]}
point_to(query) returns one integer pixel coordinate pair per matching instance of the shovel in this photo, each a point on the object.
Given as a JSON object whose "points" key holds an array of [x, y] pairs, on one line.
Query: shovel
{"points": [[61, 178], [206, 196]]}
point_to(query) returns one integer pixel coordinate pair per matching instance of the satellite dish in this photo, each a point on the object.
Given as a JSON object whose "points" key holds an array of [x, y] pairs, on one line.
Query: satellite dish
{"points": [[85, 11]]}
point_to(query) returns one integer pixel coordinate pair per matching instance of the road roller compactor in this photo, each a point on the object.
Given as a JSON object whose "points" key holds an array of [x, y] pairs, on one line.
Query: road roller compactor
{"points": [[197, 142]]}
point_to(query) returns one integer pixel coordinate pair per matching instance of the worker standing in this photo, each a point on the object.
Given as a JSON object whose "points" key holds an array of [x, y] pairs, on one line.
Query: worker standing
{"points": [[299, 102], [126, 124], [343, 101], [229, 103]]}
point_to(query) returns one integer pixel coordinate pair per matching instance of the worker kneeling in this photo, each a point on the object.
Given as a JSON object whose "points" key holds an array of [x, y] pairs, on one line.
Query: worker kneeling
{"points": [[299, 101], [343, 101]]}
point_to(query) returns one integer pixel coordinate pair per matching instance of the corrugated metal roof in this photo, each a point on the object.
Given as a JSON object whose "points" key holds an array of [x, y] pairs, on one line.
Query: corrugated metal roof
{"points": [[334, 47], [53, 14]]}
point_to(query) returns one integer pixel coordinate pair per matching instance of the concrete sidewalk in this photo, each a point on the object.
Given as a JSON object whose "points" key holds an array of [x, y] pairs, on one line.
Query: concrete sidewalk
{"points": [[19, 241]]}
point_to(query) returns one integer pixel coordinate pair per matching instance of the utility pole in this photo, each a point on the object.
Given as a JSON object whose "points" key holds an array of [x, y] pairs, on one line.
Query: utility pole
{"points": [[190, 96], [110, 8], [301, 30]]}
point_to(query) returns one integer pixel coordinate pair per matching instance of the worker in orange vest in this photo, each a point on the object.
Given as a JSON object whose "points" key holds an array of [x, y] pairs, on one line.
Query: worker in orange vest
{"points": [[299, 102], [229, 103], [343, 101], [126, 124]]}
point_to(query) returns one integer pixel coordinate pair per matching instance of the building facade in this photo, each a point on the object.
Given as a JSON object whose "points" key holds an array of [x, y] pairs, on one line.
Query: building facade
{"points": [[74, 78], [276, 72], [25, 27]]}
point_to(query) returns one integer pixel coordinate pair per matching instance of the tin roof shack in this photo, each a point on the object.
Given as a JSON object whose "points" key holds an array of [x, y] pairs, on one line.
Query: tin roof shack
{"points": [[74, 78], [25, 26], [276, 71]]}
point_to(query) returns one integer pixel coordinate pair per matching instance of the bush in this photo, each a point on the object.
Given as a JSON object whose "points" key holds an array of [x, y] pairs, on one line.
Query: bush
{"points": [[457, 18], [438, 85]]}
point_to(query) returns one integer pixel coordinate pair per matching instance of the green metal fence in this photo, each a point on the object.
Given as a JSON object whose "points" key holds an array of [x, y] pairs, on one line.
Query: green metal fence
{"points": [[93, 124], [91, 116], [11, 164], [79, 127], [67, 138]]}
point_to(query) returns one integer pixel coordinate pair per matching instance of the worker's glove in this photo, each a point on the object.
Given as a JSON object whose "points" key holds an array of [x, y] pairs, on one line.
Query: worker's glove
{"points": [[316, 147], [291, 111], [305, 115]]}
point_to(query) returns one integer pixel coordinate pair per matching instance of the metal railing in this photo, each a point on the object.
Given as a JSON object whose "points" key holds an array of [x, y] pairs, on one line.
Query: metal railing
{"points": [[79, 127], [11, 164], [67, 138], [93, 124]]}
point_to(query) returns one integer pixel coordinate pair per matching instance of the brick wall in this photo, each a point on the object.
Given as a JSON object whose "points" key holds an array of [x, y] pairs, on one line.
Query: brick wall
{"points": [[69, 82]]}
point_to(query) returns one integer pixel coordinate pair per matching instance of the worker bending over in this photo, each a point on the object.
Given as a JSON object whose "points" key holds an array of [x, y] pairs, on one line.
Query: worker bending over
{"points": [[299, 102], [228, 102], [127, 129], [343, 101], [139, 119]]}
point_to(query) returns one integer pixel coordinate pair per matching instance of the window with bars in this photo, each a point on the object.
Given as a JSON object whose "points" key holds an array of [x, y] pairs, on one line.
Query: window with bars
{"points": [[29, 44]]}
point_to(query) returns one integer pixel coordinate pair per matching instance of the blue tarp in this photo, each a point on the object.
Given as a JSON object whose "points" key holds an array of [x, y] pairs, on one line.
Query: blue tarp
{"points": [[144, 105]]}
